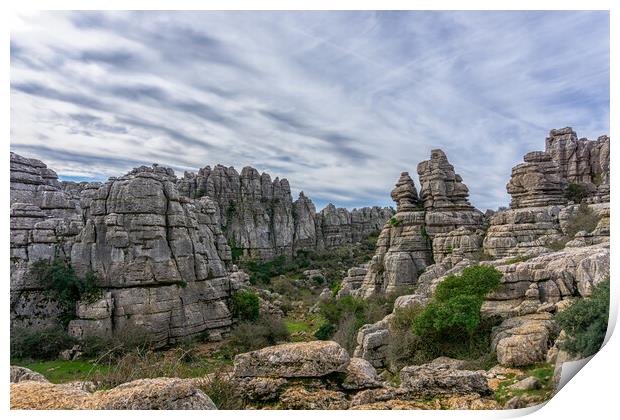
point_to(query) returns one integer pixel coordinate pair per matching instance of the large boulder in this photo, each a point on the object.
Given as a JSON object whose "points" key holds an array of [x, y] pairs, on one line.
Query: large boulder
{"points": [[142, 394], [524, 340], [360, 374], [293, 360], [442, 378], [154, 394], [20, 374]]}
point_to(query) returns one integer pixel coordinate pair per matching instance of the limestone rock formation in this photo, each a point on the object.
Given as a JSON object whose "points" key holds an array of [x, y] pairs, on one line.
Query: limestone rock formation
{"points": [[403, 248], [439, 378], [162, 258], [309, 359], [44, 219], [20, 374], [547, 279], [525, 340], [537, 182], [444, 196], [261, 220], [142, 394], [524, 231], [581, 161]]}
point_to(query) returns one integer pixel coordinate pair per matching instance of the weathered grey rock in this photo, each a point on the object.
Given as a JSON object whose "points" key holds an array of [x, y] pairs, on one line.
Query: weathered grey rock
{"points": [[19, 374], [372, 341], [299, 398], [262, 221], [582, 161], [154, 394], [437, 378], [307, 359], [525, 340], [523, 231], [260, 389], [526, 384], [547, 279], [537, 182], [403, 248], [460, 243], [360, 374], [353, 281]]}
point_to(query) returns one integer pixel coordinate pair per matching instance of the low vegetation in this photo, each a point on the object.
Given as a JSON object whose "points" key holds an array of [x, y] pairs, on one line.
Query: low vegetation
{"points": [[59, 278], [245, 306], [542, 372], [575, 192], [585, 322], [39, 344], [343, 317], [333, 263], [450, 325]]}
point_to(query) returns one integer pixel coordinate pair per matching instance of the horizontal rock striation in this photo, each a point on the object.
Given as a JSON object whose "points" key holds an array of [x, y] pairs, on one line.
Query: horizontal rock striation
{"points": [[581, 161], [160, 259], [261, 220]]}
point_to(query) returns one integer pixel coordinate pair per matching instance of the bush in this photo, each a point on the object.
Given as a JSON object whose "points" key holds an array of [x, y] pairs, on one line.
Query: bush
{"points": [[245, 306], [585, 322], [395, 222], [248, 336], [453, 315], [125, 340], [283, 286], [575, 192], [584, 219], [223, 392], [42, 344], [60, 278]]}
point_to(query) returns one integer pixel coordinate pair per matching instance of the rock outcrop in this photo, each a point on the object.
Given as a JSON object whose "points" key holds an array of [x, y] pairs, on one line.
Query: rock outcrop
{"points": [[444, 197], [437, 378], [142, 394], [261, 220], [537, 182], [403, 247], [292, 360], [581, 161], [160, 260]]}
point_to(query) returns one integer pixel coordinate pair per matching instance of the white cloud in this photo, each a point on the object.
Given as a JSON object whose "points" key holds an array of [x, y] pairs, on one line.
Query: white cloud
{"points": [[339, 103]]}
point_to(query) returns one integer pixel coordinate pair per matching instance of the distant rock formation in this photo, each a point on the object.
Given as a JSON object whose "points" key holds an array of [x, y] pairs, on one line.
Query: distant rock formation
{"points": [[537, 182], [261, 219]]}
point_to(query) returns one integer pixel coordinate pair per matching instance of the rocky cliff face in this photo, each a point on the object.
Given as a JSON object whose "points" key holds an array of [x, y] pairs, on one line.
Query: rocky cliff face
{"points": [[261, 220], [581, 161], [160, 259]]}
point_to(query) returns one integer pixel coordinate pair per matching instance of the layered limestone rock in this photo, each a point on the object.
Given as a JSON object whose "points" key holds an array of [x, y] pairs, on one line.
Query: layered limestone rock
{"points": [[537, 190], [524, 231], [44, 220], [438, 378], [581, 161], [261, 220], [540, 284], [444, 197], [160, 257], [403, 247], [537, 182], [257, 213]]}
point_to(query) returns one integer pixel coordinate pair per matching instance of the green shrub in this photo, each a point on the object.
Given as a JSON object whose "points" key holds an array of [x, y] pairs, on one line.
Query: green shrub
{"points": [[575, 192], [60, 278], [245, 306], [325, 331], [454, 312], [39, 344], [394, 221], [518, 259], [336, 288], [584, 219], [248, 336], [585, 322]]}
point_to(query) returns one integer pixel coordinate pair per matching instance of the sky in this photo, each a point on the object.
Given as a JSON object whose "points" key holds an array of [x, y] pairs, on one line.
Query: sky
{"points": [[339, 103]]}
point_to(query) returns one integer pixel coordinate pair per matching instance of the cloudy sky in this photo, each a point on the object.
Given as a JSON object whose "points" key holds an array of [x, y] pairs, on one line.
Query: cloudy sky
{"points": [[337, 102]]}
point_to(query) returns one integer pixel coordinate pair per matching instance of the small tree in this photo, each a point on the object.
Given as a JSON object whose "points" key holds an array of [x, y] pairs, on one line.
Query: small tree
{"points": [[245, 306], [585, 322]]}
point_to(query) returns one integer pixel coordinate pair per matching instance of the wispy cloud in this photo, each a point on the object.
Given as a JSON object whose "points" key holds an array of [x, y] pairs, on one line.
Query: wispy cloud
{"points": [[338, 102]]}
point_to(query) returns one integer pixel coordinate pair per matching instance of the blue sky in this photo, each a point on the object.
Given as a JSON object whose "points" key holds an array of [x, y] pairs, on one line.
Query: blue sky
{"points": [[337, 102]]}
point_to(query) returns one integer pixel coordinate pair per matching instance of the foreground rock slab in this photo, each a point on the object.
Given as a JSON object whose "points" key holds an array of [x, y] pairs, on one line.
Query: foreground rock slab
{"points": [[293, 360], [143, 394], [440, 378]]}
